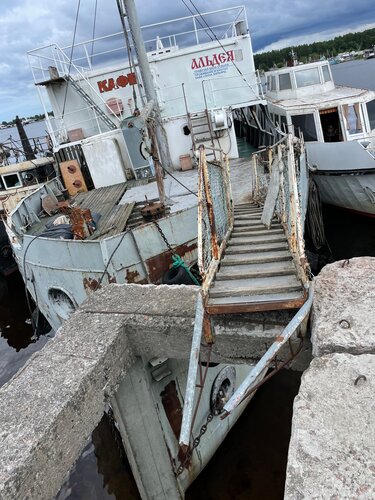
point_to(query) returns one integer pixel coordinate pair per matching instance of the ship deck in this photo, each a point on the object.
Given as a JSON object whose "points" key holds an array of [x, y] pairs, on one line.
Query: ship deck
{"points": [[120, 206]]}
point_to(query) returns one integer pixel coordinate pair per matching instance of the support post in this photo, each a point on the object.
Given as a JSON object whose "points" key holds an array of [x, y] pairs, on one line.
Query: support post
{"points": [[148, 82]]}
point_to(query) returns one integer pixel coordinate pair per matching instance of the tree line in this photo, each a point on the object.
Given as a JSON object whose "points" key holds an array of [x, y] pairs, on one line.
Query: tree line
{"points": [[317, 50]]}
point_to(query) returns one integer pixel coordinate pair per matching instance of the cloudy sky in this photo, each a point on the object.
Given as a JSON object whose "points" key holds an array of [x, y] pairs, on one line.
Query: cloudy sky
{"points": [[27, 24]]}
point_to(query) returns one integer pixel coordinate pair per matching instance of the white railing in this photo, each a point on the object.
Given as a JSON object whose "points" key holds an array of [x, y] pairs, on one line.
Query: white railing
{"points": [[277, 184], [181, 32]]}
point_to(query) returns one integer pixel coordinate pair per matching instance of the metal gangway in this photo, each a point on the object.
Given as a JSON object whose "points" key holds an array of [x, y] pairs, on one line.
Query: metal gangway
{"points": [[251, 256]]}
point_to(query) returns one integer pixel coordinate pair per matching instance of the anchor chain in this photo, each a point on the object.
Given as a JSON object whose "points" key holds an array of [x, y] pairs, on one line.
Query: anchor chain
{"points": [[164, 237], [195, 445]]}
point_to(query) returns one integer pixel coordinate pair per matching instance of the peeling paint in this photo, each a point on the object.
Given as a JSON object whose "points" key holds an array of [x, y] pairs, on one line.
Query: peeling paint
{"points": [[157, 266]]}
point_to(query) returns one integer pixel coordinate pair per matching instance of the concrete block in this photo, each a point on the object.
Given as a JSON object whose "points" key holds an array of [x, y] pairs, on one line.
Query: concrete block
{"points": [[343, 314], [50, 407], [332, 447]]}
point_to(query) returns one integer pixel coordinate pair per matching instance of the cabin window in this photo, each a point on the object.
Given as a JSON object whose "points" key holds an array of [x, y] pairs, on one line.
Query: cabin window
{"points": [[273, 83], [326, 74], [352, 118], [371, 113], [307, 77], [285, 82], [11, 181], [305, 124]]}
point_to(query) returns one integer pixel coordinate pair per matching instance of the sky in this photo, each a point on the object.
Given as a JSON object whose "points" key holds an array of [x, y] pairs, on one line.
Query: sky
{"points": [[274, 24]]}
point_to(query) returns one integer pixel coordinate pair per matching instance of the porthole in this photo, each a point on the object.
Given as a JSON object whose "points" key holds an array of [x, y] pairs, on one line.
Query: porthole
{"points": [[62, 304]]}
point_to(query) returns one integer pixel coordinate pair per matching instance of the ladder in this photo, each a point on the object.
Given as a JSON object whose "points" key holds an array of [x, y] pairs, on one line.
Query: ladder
{"points": [[85, 96], [201, 131]]}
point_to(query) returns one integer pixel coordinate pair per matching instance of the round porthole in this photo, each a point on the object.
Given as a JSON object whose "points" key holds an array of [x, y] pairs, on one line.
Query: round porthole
{"points": [[186, 130], [62, 304], [222, 389]]}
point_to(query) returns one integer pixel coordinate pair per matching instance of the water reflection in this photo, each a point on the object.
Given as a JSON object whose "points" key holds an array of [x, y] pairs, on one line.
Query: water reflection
{"points": [[16, 333]]}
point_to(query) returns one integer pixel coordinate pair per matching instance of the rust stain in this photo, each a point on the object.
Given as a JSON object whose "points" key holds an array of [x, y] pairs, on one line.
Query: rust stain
{"points": [[173, 410], [91, 284], [157, 266], [172, 407], [132, 276], [279, 339], [112, 279]]}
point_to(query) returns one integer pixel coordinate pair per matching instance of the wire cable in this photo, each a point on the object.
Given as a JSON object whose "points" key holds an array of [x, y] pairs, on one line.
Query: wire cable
{"points": [[71, 56], [93, 31]]}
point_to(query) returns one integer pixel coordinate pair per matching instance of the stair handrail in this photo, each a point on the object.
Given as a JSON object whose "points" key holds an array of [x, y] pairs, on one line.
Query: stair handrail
{"points": [[67, 61], [284, 156]]}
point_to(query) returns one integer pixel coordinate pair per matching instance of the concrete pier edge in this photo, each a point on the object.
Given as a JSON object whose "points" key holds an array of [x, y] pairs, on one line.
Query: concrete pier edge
{"points": [[50, 407], [332, 446]]}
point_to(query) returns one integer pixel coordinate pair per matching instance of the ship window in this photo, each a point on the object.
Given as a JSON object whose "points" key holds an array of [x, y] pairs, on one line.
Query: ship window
{"points": [[307, 77], [352, 118], [61, 302], [11, 181], [273, 83], [306, 124], [326, 73], [285, 81], [371, 113]]}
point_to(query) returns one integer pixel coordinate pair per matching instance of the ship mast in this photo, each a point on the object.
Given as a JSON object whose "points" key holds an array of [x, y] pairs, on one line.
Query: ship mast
{"points": [[128, 9]]}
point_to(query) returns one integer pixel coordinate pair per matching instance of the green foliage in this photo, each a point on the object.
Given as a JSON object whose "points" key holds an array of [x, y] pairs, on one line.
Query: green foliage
{"points": [[314, 51]]}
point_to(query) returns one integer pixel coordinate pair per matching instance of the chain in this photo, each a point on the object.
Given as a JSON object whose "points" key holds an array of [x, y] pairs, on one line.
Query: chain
{"points": [[196, 442], [164, 238]]}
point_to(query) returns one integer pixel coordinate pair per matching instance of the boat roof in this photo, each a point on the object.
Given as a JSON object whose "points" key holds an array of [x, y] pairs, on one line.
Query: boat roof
{"points": [[325, 99], [337, 157]]}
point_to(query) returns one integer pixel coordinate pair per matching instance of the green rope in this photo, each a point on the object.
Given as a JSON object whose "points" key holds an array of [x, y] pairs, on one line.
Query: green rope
{"points": [[178, 262]]}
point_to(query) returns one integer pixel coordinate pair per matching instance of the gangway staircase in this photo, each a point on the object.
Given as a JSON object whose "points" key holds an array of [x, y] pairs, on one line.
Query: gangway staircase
{"points": [[257, 272], [251, 258]]}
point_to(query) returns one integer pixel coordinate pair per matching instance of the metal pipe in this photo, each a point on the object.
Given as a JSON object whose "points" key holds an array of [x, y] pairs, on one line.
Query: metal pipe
{"points": [[187, 415], [265, 361], [148, 82]]}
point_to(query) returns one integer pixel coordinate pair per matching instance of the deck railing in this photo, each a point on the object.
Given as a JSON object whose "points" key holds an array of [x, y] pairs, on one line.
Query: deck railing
{"points": [[279, 182], [215, 212]]}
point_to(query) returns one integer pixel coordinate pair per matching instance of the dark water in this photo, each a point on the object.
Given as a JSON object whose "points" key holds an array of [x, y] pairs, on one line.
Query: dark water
{"points": [[348, 234], [16, 345], [249, 465], [359, 73]]}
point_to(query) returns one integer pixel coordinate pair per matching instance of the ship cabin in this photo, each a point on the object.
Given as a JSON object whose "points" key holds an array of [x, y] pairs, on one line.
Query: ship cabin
{"points": [[304, 99], [200, 75]]}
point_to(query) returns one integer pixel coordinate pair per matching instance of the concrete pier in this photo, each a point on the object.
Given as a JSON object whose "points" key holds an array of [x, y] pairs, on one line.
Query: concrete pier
{"points": [[332, 447], [50, 407]]}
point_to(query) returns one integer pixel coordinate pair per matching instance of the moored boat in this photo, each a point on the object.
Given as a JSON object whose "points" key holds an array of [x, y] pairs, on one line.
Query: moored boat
{"points": [[338, 126]]}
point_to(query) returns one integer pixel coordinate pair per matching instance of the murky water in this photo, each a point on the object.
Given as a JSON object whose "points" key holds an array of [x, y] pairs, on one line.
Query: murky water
{"points": [[16, 345]]}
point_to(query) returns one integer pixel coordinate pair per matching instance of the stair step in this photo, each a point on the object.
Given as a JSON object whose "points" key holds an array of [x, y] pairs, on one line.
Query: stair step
{"points": [[246, 248], [255, 286], [244, 228], [256, 257], [268, 237], [249, 216], [259, 232], [272, 299], [254, 230], [202, 139], [255, 270]]}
